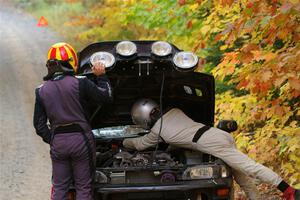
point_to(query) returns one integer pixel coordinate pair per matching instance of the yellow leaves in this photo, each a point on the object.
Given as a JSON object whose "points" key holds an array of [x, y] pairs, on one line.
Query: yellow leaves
{"points": [[205, 29], [242, 142], [293, 124], [294, 143], [194, 7], [127, 2], [264, 62], [289, 167], [274, 137], [270, 72], [294, 1], [223, 47]]}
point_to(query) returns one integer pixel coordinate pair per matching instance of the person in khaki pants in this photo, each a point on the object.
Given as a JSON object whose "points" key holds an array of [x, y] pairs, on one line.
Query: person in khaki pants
{"points": [[179, 130]]}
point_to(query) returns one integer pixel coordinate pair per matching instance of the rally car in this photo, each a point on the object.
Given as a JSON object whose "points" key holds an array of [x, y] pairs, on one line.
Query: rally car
{"points": [[160, 71]]}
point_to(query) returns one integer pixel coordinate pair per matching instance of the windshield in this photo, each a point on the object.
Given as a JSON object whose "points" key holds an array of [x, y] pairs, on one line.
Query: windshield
{"points": [[119, 132]]}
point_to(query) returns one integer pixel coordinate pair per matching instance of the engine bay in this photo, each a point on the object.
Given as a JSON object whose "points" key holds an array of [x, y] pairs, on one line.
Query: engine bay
{"points": [[116, 164], [111, 154]]}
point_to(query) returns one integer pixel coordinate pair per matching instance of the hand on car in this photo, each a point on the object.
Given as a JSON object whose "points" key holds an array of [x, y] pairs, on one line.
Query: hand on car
{"points": [[98, 69]]}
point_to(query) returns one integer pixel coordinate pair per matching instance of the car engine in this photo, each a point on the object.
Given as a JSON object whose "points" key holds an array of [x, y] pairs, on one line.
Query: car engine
{"points": [[117, 165], [125, 159]]}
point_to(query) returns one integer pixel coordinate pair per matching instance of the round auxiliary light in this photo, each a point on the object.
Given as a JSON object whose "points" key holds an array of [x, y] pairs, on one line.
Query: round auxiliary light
{"points": [[161, 48], [104, 57], [126, 48], [185, 60]]}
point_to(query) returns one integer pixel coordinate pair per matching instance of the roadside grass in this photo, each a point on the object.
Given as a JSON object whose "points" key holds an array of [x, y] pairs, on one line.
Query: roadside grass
{"points": [[58, 14]]}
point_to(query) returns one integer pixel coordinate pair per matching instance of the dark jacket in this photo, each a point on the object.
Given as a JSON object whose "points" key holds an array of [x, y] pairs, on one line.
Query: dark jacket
{"points": [[65, 100]]}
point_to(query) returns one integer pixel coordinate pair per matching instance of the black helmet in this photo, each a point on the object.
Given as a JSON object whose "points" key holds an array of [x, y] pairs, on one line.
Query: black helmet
{"points": [[145, 113]]}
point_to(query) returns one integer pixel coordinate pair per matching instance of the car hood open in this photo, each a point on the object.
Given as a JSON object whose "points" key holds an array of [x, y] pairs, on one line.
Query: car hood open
{"points": [[140, 76]]}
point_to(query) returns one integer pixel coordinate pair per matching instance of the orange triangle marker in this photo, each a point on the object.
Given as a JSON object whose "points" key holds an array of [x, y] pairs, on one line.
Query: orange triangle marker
{"points": [[42, 22]]}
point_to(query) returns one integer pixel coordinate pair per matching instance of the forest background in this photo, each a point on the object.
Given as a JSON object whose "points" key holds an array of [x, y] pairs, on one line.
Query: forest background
{"points": [[251, 47]]}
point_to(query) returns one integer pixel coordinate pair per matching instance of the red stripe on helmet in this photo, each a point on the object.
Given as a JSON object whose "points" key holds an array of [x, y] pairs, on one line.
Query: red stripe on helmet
{"points": [[53, 53], [63, 53], [73, 54]]}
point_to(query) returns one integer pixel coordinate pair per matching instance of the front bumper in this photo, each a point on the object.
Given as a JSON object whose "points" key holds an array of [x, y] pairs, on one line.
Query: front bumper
{"points": [[179, 186], [193, 190]]}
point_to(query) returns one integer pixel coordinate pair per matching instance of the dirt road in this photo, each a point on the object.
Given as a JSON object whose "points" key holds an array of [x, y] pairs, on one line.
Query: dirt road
{"points": [[25, 167]]}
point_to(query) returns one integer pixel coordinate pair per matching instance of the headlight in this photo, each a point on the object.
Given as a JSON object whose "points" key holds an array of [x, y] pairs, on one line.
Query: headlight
{"points": [[126, 48], [104, 57], [198, 172], [100, 177], [185, 60], [224, 171], [161, 48]]}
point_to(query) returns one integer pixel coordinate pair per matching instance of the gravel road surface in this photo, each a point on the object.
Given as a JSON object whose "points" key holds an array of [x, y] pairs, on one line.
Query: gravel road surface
{"points": [[25, 167]]}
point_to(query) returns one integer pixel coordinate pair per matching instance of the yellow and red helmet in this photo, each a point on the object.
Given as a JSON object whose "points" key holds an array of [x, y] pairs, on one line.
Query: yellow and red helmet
{"points": [[64, 52]]}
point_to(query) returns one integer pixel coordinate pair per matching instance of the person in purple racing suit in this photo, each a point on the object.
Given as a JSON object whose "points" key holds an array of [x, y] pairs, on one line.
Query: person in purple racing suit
{"points": [[63, 102]]}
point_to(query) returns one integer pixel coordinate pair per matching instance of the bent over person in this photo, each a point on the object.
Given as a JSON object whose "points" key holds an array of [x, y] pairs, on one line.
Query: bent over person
{"points": [[62, 100], [179, 130]]}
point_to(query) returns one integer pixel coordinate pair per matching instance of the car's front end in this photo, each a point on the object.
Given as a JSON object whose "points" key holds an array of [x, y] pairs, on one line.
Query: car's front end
{"points": [[171, 173], [160, 71]]}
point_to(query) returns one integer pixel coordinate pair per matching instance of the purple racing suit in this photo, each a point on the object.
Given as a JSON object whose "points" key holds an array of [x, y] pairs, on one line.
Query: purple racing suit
{"points": [[63, 102]]}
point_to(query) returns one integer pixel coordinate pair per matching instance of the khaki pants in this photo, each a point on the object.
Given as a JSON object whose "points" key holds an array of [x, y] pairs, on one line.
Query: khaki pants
{"points": [[222, 145]]}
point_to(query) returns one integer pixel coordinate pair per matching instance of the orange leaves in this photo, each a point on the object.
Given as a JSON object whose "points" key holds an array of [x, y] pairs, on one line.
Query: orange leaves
{"points": [[269, 56], [189, 25], [231, 58], [181, 2], [278, 110], [217, 37], [294, 83], [200, 45], [280, 21], [265, 56], [266, 76], [260, 87], [246, 55], [268, 72], [249, 5], [242, 84], [286, 6], [256, 55], [249, 47], [283, 33], [227, 66], [278, 81], [226, 2]]}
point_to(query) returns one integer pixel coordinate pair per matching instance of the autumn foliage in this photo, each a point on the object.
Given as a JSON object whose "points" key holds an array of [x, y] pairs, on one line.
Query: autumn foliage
{"points": [[252, 47]]}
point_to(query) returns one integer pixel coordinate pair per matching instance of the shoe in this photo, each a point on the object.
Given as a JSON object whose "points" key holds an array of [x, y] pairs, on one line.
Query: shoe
{"points": [[297, 195]]}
